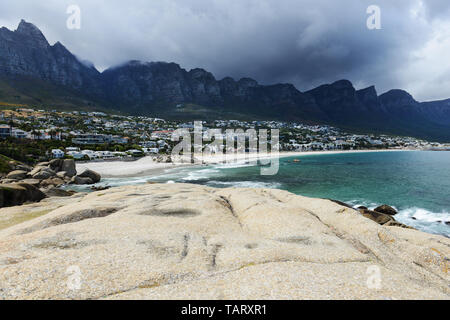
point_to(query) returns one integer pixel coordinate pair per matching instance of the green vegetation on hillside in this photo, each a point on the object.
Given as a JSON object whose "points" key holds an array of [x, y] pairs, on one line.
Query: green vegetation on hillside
{"points": [[4, 164], [26, 92]]}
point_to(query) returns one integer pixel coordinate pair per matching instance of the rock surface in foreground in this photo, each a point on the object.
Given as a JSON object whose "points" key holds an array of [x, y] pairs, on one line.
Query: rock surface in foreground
{"points": [[18, 193], [179, 241]]}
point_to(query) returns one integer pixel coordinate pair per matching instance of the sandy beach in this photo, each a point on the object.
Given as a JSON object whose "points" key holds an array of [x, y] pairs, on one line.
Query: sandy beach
{"points": [[147, 166], [121, 169]]}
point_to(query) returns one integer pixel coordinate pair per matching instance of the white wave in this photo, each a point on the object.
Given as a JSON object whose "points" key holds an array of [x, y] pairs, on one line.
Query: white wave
{"points": [[199, 174], [425, 220], [358, 203], [235, 165], [424, 215], [246, 184], [419, 218]]}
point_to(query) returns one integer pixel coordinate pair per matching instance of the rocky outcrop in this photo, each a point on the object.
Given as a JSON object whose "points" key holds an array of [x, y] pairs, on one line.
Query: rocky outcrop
{"points": [[81, 180], [25, 52], [386, 210], [48, 175], [56, 192], [94, 176], [68, 167], [378, 217], [382, 215], [19, 193], [180, 241], [17, 174]]}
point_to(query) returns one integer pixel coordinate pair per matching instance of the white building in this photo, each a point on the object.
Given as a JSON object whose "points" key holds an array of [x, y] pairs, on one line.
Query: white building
{"points": [[58, 154], [20, 134]]}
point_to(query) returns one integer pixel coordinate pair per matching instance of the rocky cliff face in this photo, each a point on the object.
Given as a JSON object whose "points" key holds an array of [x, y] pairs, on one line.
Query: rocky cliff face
{"points": [[25, 52], [160, 83], [160, 88], [179, 241]]}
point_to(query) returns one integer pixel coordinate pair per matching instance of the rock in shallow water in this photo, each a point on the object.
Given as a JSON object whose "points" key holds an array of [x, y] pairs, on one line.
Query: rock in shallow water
{"points": [[81, 180], [94, 176], [386, 210], [378, 217]]}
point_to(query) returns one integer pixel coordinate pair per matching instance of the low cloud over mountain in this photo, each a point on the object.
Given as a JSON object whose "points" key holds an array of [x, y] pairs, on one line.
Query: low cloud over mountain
{"points": [[303, 42]]}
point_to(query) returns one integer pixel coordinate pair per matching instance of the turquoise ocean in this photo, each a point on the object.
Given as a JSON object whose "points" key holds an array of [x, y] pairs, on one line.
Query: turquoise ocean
{"points": [[416, 183]]}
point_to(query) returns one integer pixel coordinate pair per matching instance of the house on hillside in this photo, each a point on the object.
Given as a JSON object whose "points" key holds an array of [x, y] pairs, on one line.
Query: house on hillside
{"points": [[5, 131], [57, 153]]}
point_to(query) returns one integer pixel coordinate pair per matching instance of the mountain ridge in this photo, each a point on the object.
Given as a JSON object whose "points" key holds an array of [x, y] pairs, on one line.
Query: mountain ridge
{"points": [[166, 89]]}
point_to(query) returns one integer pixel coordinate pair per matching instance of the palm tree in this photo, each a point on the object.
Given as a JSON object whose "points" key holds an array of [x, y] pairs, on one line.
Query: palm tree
{"points": [[52, 134], [35, 134]]}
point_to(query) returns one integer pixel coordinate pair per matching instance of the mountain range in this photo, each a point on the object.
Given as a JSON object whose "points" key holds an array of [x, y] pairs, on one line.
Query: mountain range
{"points": [[33, 72]]}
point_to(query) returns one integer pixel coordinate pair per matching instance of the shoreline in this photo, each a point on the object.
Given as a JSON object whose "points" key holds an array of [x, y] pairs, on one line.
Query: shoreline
{"points": [[147, 167]]}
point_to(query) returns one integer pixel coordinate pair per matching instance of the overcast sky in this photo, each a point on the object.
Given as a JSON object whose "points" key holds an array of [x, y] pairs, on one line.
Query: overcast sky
{"points": [[304, 42]]}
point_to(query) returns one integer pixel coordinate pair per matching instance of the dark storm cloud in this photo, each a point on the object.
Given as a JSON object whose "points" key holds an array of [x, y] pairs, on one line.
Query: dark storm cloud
{"points": [[305, 42]]}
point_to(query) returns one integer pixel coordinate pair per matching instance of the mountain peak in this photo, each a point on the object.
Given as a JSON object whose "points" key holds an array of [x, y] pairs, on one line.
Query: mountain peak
{"points": [[342, 84], [397, 97], [31, 31]]}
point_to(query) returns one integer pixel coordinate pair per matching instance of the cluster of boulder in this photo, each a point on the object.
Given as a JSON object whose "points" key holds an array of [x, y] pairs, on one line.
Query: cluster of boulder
{"points": [[45, 174], [27, 184], [52, 174], [383, 215]]}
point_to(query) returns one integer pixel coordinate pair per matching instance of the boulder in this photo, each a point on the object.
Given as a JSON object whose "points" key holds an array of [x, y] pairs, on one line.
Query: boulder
{"points": [[45, 173], [19, 193], [386, 210], [394, 223], [90, 174], [100, 188], [69, 167], [52, 182], [6, 181], [56, 164], [17, 174], [35, 170], [43, 164], [81, 180], [56, 192], [61, 174], [23, 167], [33, 182], [378, 217]]}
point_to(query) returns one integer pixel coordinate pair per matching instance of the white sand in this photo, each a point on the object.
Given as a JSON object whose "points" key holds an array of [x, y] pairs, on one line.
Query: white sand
{"points": [[143, 166], [147, 166]]}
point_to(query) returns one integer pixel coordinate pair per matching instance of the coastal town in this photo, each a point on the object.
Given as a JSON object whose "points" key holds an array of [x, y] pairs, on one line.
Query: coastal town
{"points": [[97, 136]]}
